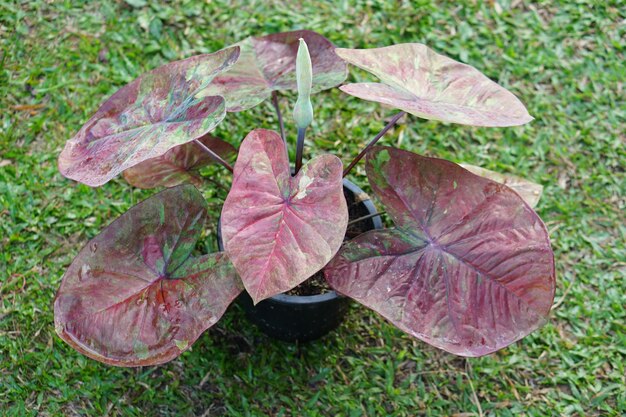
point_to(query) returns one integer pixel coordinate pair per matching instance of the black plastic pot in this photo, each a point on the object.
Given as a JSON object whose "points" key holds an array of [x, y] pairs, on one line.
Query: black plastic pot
{"points": [[304, 318]]}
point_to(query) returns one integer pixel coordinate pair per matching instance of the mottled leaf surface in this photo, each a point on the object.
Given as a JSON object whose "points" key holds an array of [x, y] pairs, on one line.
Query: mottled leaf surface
{"points": [[161, 109], [468, 267], [178, 165], [278, 230], [528, 190], [431, 86], [135, 295], [268, 63]]}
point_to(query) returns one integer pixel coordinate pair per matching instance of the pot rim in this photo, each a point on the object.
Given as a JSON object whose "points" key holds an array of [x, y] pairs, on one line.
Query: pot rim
{"points": [[305, 299]]}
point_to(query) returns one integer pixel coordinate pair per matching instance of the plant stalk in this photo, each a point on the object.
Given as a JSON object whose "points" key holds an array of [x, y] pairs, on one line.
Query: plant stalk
{"points": [[360, 156], [369, 216], [279, 115], [214, 156], [299, 149]]}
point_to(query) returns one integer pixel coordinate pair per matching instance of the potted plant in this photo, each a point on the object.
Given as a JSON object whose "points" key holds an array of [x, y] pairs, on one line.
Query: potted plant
{"points": [[467, 267], [311, 309]]}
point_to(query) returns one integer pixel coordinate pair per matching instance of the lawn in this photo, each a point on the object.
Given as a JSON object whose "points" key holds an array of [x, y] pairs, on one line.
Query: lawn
{"points": [[59, 60]]}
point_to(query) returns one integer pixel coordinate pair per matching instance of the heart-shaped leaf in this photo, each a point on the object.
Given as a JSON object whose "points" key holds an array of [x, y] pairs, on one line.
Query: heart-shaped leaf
{"points": [[529, 191], [468, 268], [278, 230], [431, 86], [161, 109], [179, 164], [268, 63], [135, 295]]}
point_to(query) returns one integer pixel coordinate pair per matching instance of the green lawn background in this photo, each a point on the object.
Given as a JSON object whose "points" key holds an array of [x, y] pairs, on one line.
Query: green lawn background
{"points": [[565, 60]]}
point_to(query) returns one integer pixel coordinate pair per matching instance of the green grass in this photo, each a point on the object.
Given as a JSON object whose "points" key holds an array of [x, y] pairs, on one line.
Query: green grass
{"points": [[59, 60]]}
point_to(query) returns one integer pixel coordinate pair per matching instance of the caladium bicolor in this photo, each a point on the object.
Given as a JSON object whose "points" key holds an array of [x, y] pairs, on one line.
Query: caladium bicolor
{"points": [[431, 86], [528, 190], [161, 109], [268, 63], [278, 230], [468, 267], [136, 295], [179, 165]]}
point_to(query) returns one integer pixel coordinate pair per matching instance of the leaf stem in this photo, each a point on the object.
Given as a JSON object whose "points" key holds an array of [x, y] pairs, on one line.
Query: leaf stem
{"points": [[299, 149], [369, 216], [216, 183], [373, 142], [279, 115], [213, 155]]}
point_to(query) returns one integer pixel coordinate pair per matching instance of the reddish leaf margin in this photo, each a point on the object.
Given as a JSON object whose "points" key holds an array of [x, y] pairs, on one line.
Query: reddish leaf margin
{"points": [[159, 110], [135, 295], [468, 267], [278, 230]]}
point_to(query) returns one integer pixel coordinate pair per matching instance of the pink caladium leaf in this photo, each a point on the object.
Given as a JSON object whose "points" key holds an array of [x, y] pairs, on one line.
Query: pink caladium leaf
{"points": [[178, 165], [136, 295], [161, 109], [468, 267], [431, 86], [278, 230], [268, 63], [528, 190]]}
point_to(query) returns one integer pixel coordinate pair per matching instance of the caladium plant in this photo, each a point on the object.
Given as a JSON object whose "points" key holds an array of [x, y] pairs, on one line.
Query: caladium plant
{"points": [[466, 267]]}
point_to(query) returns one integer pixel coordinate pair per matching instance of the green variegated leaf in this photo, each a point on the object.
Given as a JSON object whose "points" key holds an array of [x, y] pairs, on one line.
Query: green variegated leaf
{"points": [[268, 63], [135, 295], [431, 86], [161, 109]]}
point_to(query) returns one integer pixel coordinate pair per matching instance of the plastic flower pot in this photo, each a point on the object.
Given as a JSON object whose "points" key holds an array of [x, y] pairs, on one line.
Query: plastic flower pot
{"points": [[305, 318]]}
